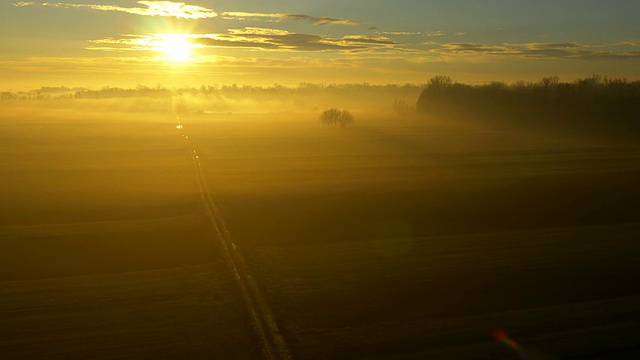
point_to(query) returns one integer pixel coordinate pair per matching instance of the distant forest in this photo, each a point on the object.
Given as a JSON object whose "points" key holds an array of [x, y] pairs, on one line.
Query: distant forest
{"points": [[304, 97], [160, 91], [596, 104]]}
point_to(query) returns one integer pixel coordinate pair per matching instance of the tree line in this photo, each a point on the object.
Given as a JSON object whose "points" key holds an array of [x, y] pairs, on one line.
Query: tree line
{"points": [[594, 104], [228, 90]]}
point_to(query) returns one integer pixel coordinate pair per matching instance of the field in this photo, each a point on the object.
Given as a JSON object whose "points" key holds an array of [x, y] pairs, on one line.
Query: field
{"points": [[391, 238]]}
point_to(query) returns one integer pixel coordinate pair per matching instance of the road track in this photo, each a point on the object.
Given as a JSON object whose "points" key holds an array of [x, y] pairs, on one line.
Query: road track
{"points": [[271, 340]]}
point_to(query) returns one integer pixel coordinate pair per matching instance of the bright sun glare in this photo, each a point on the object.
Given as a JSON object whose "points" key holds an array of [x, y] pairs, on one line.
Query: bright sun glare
{"points": [[175, 48]]}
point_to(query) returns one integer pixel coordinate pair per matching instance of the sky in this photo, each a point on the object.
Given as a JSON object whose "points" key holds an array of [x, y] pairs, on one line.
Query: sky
{"points": [[97, 43]]}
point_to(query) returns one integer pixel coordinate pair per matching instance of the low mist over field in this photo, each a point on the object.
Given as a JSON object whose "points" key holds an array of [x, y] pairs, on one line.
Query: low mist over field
{"points": [[153, 217], [319, 180], [304, 98]]}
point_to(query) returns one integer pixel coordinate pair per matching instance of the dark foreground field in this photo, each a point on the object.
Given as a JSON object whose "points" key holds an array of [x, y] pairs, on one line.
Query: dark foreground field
{"points": [[387, 239]]}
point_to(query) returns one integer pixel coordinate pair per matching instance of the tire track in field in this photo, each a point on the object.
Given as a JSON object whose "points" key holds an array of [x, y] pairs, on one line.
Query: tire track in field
{"points": [[271, 340]]}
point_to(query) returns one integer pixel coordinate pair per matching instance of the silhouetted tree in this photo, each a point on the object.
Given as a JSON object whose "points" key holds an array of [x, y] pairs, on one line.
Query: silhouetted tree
{"points": [[334, 117], [401, 108], [440, 82]]}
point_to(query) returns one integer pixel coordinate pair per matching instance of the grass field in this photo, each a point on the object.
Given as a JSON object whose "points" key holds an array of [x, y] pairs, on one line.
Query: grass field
{"points": [[387, 239], [401, 240], [105, 252]]}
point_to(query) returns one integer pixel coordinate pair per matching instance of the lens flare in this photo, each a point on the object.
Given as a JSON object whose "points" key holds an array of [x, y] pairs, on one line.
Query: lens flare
{"points": [[501, 336]]}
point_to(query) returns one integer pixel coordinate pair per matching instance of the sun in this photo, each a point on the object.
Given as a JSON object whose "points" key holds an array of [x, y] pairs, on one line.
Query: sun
{"points": [[175, 48]]}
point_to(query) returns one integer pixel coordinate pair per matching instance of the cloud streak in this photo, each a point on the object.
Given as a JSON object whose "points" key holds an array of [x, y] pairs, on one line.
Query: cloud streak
{"points": [[630, 43], [412, 33], [403, 33], [568, 50], [322, 20], [271, 39], [184, 11], [435, 33], [315, 20], [153, 8], [250, 38]]}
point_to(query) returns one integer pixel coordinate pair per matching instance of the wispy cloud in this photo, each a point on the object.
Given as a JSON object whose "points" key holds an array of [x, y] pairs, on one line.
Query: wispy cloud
{"points": [[315, 20], [631, 43], [153, 8], [250, 38], [258, 31], [23, 3], [186, 11], [272, 39], [127, 43], [241, 15], [368, 39], [435, 33], [405, 33], [568, 50], [285, 40], [322, 20], [547, 46], [471, 48]]}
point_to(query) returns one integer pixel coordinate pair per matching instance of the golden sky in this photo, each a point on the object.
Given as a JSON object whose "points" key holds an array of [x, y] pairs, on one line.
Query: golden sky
{"points": [[262, 42]]}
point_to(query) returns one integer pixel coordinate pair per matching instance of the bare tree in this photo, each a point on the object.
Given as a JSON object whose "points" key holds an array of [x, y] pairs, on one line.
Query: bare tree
{"points": [[335, 117], [402, 109]]}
